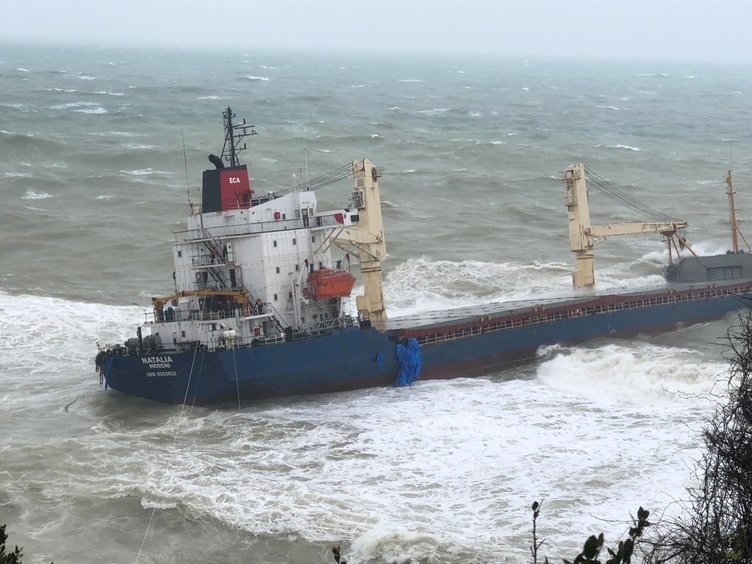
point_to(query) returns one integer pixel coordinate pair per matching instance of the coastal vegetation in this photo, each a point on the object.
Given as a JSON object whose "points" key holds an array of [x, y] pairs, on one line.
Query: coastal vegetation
{"points": [[715, 525], [13, 557]]}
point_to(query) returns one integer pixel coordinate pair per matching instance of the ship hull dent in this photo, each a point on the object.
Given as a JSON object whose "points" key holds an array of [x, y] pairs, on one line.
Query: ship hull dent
{"points": [[349, 359]]}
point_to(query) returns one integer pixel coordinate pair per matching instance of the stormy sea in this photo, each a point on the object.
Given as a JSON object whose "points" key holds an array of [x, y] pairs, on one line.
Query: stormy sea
{"points": [[102, 150]]}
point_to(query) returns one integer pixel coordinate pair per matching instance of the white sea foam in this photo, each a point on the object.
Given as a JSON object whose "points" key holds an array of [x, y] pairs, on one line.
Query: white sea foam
{"points": [[412, 80], [78, 106], [434, 111], [140, 147], [19, 106], [94, 111], [147, 172], [45, 337], [636, 373], [710, 247], [108, 93], [621, 146], [118, 134], [452, 458], [423, 285], [32, 195], [257, 78]]}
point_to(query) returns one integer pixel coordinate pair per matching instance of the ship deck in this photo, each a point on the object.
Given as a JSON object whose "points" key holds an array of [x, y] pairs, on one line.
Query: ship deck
{"points": [[540, 310]]}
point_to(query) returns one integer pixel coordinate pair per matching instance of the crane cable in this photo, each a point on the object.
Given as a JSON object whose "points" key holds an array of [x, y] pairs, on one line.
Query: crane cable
{"points": [[609, 190], [329, 178]]}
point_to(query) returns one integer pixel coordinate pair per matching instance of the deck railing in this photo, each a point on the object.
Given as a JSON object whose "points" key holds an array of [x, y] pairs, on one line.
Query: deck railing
{"points": [[539, 314]]}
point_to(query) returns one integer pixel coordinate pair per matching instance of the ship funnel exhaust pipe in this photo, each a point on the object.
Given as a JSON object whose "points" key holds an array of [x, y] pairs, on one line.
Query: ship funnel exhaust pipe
{"points": [[216, 161]]}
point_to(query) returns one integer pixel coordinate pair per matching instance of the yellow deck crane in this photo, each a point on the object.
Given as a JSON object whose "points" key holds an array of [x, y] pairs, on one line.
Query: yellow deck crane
{"points": [[365, 240], [583, 236]]}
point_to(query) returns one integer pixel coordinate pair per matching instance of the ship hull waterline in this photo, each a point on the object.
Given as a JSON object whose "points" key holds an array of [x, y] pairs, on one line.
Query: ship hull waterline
{"points": [[354, 358]]}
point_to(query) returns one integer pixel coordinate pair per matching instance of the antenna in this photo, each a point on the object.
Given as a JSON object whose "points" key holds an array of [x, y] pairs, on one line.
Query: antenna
{"points": [[307, 172], [234, 133], [731, 153], [185, 162]]}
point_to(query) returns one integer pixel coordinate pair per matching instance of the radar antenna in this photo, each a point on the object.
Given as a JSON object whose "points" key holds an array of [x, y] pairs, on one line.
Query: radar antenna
{"points": [[234, 133]]}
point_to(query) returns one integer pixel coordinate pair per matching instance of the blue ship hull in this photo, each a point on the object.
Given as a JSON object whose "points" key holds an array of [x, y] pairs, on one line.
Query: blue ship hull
{"points": [[362, 357]]}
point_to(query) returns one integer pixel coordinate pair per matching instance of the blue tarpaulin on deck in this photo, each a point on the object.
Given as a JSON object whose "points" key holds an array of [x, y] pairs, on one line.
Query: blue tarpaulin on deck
{"points": [[410, 362]]}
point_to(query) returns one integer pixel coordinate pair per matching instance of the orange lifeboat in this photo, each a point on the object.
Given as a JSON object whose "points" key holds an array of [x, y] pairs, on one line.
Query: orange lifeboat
{"points": [[326, 283]]}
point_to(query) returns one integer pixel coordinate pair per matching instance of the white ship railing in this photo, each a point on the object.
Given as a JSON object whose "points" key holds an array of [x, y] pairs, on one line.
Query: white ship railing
{"points": [[318, 221]]}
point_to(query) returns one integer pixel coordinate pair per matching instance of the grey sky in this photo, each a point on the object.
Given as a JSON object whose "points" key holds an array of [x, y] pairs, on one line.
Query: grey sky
{"points": [[687, 30]]}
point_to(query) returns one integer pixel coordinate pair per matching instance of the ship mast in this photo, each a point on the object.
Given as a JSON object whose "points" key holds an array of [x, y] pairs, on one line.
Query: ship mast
{"points": [[234, 133], [732, 212]]}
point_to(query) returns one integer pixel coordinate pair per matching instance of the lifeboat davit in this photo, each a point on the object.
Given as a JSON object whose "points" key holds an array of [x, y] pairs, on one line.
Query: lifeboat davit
{"points": [[326, 283]]}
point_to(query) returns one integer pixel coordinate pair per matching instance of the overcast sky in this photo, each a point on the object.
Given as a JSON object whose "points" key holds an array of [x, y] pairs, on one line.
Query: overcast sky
{"points": [[662, 30]]}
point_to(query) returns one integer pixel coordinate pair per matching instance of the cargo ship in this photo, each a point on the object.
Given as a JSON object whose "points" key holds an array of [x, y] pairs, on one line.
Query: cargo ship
{"points": [[259, 308]]}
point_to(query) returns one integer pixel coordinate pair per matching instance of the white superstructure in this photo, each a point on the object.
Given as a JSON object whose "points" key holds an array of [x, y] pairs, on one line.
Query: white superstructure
{"points": [[255, 270]]}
